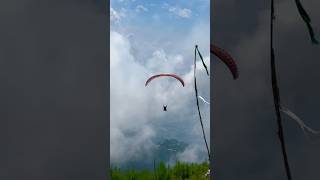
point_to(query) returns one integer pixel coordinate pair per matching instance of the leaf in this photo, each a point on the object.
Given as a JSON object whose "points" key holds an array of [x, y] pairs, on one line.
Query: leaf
{"points": [[306, 18], [204, 65]]}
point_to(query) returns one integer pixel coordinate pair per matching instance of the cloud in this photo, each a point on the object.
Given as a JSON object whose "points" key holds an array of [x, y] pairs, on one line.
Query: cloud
{"points": [[177, 11], [116, 16], [183, 13], [191, 154], [141, 8], [136, 111], [129, 133], [137, 119], [162, 62]]}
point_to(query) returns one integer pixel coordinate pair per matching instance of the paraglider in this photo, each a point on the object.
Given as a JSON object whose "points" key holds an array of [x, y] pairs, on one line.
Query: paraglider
{"points": [[226, 58], [165, 75]]}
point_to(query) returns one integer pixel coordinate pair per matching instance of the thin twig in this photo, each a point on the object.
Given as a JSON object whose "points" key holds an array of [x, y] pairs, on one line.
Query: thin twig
{"points": [[196, 93], [276, 96]]}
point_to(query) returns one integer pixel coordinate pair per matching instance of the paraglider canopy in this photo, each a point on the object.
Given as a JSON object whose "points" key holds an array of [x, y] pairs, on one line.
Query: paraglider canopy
{"points": [[165, 75], [226, 58]]}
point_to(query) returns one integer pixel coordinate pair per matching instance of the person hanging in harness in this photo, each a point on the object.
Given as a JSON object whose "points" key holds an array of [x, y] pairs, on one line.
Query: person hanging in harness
{"points": [[164, 107]]}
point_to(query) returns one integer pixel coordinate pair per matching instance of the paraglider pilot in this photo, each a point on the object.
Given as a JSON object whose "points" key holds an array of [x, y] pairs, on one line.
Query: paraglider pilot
{"points": [[164, 107], [163, 75]]}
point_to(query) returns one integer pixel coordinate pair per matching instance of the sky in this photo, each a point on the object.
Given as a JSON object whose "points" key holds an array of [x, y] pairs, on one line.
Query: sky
{"points": [[147, 38]]}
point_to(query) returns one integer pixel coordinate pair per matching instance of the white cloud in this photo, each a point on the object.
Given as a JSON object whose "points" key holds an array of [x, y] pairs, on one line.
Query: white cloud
{"points": [[130, 133], [191, 154], [183, 13], [162, 62], [180, 12], [136, 111], [116, 16], [141, 8]]}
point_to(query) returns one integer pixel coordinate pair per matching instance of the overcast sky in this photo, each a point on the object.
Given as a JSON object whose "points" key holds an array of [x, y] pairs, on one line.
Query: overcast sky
{"points": [[147, 38]]}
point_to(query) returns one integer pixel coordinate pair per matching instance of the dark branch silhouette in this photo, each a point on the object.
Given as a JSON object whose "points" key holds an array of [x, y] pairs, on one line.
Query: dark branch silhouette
{"points": [[276, 95], [196, 93]]}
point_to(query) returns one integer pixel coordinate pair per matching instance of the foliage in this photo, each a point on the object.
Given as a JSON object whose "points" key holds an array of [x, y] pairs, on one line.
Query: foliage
{"points": [[180, 171]]}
